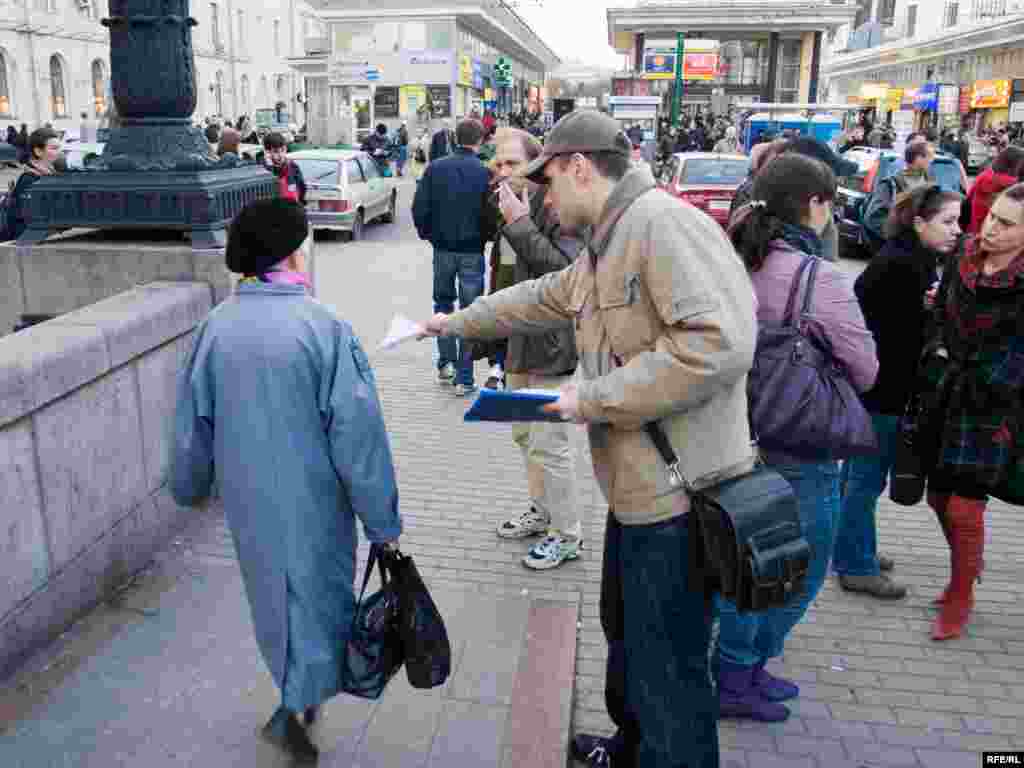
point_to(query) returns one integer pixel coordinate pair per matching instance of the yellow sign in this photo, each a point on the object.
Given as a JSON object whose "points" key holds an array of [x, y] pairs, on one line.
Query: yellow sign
{"points": [[893, 99], [873, 91], [466, 71], [411, 98], [990, 94], [488, 94]]}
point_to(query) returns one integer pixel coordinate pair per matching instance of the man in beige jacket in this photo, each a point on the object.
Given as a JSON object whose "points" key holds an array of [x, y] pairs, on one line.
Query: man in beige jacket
{"points": [[664, 317]]}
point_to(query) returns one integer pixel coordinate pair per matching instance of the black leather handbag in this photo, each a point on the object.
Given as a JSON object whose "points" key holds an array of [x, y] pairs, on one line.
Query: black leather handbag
{"points": [[745, 534]]}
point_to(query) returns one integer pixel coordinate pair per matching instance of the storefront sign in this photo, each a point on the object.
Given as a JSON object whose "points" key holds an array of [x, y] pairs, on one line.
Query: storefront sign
{"points": [[700, 59], [990, 94], [411, 98], [426, 66], [344, 71], [927, 97], [909, 94], [385, 101], [893, 99], [465, 71], [478, 74], [966, 95], [416, 66], [874, 91], [1017, 112], [441, 97], [660, 63], [949, 99]]}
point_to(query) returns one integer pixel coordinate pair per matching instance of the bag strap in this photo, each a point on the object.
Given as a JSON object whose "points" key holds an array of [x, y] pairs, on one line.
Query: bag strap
{"points": [[811, 277], [668, 454], [794, 290], [374, 558]]}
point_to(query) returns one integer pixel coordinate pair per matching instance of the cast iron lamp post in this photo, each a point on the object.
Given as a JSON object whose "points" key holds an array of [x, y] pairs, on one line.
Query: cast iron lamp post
{"points": [[156, 172]]}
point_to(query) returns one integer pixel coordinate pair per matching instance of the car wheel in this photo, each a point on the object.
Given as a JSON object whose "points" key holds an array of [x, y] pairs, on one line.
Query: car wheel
{"points": [[389, 217], [357, 228]]}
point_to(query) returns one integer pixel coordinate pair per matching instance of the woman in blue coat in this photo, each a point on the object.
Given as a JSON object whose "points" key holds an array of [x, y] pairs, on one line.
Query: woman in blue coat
{"points": [[278, 403]]}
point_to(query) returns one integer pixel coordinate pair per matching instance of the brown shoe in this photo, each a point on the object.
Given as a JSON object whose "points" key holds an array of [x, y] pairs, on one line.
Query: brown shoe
{"points": [[879, 586]]}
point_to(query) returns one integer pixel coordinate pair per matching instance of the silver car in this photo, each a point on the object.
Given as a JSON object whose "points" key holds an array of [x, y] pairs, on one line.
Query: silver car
{"points": [[344, 190]]}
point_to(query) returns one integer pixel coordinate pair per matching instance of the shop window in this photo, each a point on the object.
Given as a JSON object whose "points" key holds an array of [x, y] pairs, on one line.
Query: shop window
{"points": [[951, 14], [988, 9], [414, 35], [911, 20], [385, 37], [788, 83], [5, 87], [58, 105], [886, 12], [99, 88], [439, 35], [277, 37]]}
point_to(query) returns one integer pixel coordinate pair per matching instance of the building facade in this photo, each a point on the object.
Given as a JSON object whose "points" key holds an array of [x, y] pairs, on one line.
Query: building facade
{"points": [[55, 58], [932, 63], [385, 61], [735, 51]]}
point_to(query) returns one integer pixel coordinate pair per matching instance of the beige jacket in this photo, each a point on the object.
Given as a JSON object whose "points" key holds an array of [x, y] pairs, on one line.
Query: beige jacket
{"points": [[665, 321]]}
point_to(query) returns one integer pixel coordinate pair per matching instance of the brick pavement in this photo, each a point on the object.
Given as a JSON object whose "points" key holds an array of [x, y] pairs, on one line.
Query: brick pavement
{"points": [[876, 691]]}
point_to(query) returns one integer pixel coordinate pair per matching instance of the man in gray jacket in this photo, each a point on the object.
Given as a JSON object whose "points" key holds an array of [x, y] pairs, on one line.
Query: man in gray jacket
{"points": [[532, 244], [664, 318]]}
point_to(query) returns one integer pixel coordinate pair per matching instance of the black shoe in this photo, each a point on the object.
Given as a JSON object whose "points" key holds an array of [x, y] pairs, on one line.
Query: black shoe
{"points": [[311, 715], [599, 751], [286, 732]]}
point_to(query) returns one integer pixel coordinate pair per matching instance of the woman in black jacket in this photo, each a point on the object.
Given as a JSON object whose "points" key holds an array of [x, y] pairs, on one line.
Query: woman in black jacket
{"points": [[896, 293]]}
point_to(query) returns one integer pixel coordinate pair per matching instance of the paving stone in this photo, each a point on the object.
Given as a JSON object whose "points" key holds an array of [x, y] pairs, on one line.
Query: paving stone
{"points": [[875, 754], [838, 729], [732, 758], [909, 737], [1008, 726], [949, 703], [934, 758], [828, 752], [931, 720], [470, 735], [774, 760], [862, 714]]}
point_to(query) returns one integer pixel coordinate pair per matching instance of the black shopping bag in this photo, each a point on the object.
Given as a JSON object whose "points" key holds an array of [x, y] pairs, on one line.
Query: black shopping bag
{"points": [[428, 654], [373, 651]]}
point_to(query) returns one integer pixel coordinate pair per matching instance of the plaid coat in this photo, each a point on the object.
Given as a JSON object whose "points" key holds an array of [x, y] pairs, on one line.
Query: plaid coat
{"points": [[973, 371]]}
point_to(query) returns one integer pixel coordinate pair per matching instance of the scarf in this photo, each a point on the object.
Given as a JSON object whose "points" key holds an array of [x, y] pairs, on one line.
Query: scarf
{"points": [[287, 277], [803, 239]]}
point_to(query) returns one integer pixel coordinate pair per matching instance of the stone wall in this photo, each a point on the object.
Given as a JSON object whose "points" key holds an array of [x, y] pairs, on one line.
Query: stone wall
{"points": [[70, 271], [85, 404]]}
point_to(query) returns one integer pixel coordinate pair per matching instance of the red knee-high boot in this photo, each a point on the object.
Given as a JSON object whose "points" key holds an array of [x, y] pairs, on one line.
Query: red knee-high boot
{"points": [[966, 521], [939, 502]]}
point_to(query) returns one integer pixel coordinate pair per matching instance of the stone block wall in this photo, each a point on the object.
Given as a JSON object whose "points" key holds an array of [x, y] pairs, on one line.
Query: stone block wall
{"points": [[85, 408], [70, 271]]}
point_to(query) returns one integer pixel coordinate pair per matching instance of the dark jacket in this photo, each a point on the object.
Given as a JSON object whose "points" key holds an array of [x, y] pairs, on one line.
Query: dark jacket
{"points": [[539, 248], [972, 375], [891, 294], [879, 202], [442, 145], [16, 212], [449, 201], [295, 178]]}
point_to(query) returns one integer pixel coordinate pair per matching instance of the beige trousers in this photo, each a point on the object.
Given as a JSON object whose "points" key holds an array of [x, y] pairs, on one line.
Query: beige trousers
{"points": [[547, 449]]}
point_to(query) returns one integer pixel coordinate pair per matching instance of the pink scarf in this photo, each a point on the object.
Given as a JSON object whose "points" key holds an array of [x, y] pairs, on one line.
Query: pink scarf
{"points": [[286, 276]]}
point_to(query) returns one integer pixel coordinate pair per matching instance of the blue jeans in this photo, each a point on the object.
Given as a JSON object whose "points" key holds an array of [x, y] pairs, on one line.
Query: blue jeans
{"points": [[469, 269], [751, 638], [658, 688], [863, 480]]}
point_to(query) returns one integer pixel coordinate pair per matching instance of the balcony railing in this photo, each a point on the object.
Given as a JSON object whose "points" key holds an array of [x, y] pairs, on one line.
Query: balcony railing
{"points": [[988, 9]]}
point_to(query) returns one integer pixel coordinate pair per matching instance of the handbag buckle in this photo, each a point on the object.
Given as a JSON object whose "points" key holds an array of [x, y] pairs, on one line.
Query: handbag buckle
{"points": [[675, 476]]}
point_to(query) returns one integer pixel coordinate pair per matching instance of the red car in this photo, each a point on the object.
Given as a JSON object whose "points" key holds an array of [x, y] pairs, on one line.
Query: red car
{"points": [[706, 180]]}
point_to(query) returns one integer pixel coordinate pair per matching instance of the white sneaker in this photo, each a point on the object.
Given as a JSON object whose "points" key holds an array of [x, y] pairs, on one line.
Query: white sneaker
{"points": [[554, 550], [530, 523], [496, 378], [446, 375]]}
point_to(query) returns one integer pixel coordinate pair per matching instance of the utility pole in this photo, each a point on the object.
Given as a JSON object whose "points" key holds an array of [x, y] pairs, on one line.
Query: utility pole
{"points": [[677, 86]]}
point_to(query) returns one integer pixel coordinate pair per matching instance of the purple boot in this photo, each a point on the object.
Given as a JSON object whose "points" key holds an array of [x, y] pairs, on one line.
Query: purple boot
{"points": [[773, 688], [739, 698]]}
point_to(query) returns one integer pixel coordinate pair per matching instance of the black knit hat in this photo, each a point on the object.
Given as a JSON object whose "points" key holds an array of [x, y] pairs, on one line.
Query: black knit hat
{"points": [[264, 233]]}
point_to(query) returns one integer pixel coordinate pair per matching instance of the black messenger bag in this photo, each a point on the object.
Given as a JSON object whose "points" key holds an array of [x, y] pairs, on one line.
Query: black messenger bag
{"points": [[750, 545]]}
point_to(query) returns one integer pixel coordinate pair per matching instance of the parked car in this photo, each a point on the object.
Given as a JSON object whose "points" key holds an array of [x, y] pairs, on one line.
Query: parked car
{"points": [[266, 121], [344, 190], [873, 165], [705, 180]]}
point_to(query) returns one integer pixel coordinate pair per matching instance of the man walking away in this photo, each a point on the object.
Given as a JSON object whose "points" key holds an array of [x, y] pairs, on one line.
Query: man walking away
{"points": [[443, 143], [448, 211], [533, 243], [665, 324]]}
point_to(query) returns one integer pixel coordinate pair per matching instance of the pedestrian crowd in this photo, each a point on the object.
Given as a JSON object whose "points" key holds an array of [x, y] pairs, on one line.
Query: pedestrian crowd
{"points": [[652, 327]]}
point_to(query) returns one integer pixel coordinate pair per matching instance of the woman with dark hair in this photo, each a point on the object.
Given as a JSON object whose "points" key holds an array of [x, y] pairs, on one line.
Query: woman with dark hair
{"points": [[972, 392], [1005, 171], [774, 234], [760, 156], [896, 293]]}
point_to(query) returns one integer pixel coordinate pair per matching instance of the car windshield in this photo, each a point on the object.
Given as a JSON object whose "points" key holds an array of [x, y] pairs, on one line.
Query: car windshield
{"points": [[714, 171], [323, 172]]}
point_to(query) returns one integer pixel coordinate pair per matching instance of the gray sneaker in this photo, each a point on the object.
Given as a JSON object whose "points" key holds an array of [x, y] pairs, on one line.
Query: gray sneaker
{"points": [[880, 586]]}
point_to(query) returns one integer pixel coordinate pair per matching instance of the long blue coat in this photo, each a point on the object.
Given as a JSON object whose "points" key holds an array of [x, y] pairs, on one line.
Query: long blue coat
{"points": [[279, 402]]}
